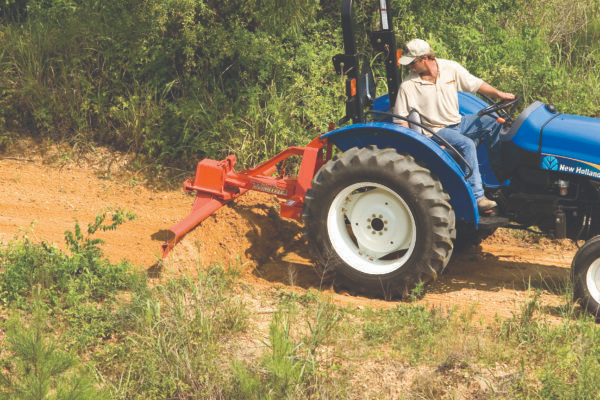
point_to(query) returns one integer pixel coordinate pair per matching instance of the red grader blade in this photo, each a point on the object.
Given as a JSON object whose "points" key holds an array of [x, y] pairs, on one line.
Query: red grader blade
{"points": [[216, 184]]}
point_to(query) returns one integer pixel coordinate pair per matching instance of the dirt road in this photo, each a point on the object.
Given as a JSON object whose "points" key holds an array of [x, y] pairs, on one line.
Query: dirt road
{"points": [[42, 195]]}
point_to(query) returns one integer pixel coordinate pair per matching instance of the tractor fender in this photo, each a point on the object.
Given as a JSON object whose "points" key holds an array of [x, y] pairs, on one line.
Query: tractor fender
{"points": [[422, 149]]}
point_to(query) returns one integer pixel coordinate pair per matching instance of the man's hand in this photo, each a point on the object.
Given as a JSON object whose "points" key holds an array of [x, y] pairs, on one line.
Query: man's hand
{"points": [[505, 96], [491, 91]]}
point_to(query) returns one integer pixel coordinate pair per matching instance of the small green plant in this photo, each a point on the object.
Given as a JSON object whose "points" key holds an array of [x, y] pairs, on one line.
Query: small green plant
{"points": [[324, 321], [417, 292], [287, 371], [77, 243], [35, 369], [285, 366]]}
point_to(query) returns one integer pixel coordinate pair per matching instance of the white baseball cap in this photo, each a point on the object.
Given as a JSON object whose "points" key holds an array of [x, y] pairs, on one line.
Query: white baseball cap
{"points": [[415, 48]]}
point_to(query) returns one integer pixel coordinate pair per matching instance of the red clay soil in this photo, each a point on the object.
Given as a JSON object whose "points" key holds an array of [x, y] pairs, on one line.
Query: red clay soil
{"points": [[43, 193]]}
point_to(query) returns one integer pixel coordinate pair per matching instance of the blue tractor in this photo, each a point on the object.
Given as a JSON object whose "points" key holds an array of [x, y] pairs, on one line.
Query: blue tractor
{"points": [[389, 209]]}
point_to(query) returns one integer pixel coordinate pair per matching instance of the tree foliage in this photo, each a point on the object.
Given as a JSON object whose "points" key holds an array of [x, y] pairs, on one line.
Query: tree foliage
{"points": [[177, 80]]}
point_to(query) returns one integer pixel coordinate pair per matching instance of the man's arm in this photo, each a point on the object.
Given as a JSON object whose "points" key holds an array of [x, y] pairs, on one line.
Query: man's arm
{"points": [[401, 107], [491, 91]]}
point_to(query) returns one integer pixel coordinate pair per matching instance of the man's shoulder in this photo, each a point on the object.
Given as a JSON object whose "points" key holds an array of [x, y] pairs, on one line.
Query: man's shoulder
{"points": [[411, 77], [443, 63], [410, 80]]}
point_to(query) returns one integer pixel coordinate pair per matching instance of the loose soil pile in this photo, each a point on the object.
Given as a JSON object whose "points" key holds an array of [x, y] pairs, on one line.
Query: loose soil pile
{"points": [[44, 191]]}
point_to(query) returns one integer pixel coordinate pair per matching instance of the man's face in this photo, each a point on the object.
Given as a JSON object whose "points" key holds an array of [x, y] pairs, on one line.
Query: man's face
{"points": [[417, 65]]}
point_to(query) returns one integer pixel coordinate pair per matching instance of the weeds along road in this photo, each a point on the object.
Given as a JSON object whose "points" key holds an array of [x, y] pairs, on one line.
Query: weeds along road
{"points": [[43, 194]]}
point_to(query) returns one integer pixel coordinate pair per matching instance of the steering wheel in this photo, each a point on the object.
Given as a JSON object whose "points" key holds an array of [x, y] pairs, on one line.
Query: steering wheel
{"points": [[504, 108]]}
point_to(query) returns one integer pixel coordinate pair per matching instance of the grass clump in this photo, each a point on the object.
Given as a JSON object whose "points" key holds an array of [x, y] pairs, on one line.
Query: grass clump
{"points": [[175, 339], [295, 364], [408, 330], [69, 279]]}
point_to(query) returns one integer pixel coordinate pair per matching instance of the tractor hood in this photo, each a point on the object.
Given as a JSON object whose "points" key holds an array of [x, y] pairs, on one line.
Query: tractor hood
{"points": [[566, 143], [571, 143], [572, 136]]}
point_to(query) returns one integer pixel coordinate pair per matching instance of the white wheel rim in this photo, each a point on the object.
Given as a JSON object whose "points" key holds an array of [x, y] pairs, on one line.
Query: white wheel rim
{"points": [[382, 236], [592, 280]]}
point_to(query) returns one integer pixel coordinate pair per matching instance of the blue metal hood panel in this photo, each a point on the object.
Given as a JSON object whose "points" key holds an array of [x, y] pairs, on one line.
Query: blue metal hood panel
{"points": [[574, 137]]}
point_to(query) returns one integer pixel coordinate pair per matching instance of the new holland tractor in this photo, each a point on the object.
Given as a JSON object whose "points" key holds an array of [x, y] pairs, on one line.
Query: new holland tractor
{"points": [[389, 209]]}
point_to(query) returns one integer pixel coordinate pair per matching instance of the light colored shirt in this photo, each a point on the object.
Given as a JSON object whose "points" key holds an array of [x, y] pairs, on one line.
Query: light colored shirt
{"points": [[437, 103]]}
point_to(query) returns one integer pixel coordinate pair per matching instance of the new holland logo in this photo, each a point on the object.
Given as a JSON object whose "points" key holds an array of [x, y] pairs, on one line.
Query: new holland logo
{"points": [[550, 162], [570, 165], [263, 187]]}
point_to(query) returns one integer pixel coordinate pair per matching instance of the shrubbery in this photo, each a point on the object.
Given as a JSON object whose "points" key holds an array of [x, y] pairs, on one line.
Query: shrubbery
{"points": [[177, 80]]}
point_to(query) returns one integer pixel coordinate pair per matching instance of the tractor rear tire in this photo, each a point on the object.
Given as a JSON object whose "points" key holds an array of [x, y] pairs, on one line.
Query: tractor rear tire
{"points": [[585, 274], [378, 220]]}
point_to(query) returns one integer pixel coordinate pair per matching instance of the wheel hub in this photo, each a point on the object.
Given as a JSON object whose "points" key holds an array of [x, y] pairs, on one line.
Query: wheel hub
{"points": [[377, 224], [380, 222]]}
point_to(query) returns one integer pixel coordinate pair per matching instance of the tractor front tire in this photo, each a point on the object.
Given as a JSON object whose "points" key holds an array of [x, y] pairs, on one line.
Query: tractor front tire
{"points": [[585, 274], [380, 221]]}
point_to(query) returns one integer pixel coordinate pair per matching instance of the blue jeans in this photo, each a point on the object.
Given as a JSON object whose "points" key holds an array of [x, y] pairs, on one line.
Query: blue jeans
{"points": [[463, 136]]}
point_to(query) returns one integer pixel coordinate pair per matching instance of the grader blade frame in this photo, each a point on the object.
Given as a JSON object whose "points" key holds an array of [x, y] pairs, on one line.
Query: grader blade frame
{"points": [[216, 184]]}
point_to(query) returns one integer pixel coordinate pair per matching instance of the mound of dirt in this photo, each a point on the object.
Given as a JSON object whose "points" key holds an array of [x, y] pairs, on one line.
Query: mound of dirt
{"points": [[246, 234], [43, 200]]}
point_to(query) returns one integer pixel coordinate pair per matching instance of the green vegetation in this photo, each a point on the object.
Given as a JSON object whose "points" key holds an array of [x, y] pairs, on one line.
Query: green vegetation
{"points": [[75, 326], [177, 80]]}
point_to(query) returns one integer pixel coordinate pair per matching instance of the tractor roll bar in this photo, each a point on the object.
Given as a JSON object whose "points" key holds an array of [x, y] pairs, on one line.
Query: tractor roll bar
{"points": [[348, 63], [384, 40], [348, 28]]}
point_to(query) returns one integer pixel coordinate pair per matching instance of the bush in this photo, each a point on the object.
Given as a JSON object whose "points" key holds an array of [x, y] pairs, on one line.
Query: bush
{"points": [[177, 80]]}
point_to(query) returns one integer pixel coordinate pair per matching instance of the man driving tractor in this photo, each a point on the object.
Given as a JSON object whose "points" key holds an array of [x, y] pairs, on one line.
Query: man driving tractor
{"points": [[431, 89]]}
